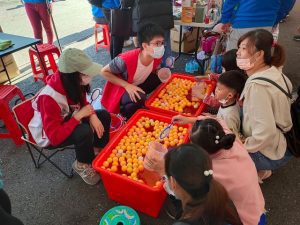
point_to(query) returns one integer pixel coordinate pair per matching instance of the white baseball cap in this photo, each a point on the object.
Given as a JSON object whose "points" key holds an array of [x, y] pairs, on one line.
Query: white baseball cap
{"points": [[75, 60]]}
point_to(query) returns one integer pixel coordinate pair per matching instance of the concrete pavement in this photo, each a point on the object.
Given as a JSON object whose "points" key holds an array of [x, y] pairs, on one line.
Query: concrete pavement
{"points": [[44, 197]]}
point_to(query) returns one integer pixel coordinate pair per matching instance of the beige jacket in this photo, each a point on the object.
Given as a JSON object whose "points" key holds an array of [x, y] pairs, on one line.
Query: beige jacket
{"points": [[264, 107]]}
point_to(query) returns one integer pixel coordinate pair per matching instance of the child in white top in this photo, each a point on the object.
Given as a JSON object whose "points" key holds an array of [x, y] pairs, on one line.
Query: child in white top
{"points": [[229, 87]]}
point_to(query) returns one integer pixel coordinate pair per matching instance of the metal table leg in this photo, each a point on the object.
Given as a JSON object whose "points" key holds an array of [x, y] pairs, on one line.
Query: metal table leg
{"points": [[42, 61], [202, 62], [180, 42], [4, 69]]}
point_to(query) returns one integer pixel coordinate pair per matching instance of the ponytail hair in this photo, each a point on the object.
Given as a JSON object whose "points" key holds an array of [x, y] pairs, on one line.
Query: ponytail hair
{"points": [[262, 40], [218, 207], [210, 135], [278, 56]]}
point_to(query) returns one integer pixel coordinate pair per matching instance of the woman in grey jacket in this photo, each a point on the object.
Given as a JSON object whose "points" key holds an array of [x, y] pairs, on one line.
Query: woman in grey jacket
{"points": [[266, 109]]}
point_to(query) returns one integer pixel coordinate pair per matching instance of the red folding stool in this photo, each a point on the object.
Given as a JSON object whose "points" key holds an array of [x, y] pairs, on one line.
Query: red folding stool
{"points": [[41, 70], [7, 93], [105, 41]]}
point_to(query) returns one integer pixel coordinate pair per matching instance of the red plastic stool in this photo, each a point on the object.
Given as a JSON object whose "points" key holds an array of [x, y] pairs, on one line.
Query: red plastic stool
{"points": [[7, 93], [105, 41], [44, 50]]}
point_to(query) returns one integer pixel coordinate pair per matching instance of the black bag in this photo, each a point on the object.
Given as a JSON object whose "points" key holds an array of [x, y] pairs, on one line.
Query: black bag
{"points": [[97, 3], [292, 136], [121, 22]]}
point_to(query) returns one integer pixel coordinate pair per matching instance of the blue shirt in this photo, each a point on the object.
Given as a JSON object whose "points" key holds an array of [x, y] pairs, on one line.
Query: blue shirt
{"points": [[111, 4], [250, 13], [285, 8], [34, 1], [97, 12]]}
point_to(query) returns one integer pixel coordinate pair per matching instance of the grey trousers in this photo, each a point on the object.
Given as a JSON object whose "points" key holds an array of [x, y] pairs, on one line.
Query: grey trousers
{"points": [[235, 35]]}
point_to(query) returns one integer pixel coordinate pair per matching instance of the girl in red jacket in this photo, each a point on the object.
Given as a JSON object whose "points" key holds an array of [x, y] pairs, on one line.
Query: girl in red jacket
{"points": [[63, 116], [132, 75]]}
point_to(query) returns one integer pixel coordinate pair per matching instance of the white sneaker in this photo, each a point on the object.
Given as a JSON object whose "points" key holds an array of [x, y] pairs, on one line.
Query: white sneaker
{"points": [[128, 43], [87, 173]]}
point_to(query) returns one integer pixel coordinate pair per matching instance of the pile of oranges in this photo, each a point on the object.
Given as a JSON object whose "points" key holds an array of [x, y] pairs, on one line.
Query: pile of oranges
{"points": [[128, 156], [176, 96]]}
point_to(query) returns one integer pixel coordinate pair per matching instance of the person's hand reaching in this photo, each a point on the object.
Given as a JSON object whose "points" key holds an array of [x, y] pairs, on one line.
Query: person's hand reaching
{"points": [[133, 92]]}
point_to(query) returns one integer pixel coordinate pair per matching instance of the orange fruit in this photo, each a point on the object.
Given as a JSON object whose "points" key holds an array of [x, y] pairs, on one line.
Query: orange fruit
{"points": [[133, 174], [115, 159], [106, 164], [141, 181], [124, 168], [158, 183], [141, 168], [144, 151], [129, 170], [109, 159], [114, 169]]}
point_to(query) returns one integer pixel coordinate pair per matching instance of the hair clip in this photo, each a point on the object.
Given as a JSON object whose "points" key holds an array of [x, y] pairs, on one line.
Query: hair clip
{"points": [[217, 139], [208, 172]]}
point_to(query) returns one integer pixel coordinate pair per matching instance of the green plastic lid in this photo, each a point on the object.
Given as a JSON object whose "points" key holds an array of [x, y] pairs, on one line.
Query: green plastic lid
{"points": [[120, 215]]}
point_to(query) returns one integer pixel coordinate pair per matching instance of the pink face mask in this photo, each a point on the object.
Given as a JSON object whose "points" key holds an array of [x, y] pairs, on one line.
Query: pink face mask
{"points": [[244, 64]]}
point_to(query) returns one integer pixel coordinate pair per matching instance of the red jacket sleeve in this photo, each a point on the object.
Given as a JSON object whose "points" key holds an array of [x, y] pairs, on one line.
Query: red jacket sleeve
{"points": [[56, 129]]}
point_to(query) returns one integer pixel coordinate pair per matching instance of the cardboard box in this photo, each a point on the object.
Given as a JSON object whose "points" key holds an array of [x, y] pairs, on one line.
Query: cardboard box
{"points": [[188, 40], [11, 67]]}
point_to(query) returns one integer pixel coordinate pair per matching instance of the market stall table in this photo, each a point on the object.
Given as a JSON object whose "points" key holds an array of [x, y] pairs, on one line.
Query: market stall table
{"points": [[198, 26], [19, 43]]}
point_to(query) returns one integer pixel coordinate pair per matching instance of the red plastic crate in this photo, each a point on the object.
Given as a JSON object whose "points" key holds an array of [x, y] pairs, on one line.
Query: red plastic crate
{"points": [[171, 112], [128, 192]]}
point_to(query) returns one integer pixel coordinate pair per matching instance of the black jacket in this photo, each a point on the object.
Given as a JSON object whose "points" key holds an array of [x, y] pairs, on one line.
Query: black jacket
{"points": [[155, 11]]}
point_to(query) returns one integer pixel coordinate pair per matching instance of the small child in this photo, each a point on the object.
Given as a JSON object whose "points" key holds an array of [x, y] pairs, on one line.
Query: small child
{"points": [[229, 60], [228, 64], [233, 167], [229, 87]]}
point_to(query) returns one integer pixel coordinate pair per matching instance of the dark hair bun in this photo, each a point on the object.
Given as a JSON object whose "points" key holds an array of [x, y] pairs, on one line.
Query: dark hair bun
{"points": [[227, 141]]}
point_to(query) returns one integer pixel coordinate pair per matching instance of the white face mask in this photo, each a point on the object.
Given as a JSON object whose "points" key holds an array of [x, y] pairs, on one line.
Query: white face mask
{"points": [[168, 189], [158, 52], [85, 80], [244, 64]]}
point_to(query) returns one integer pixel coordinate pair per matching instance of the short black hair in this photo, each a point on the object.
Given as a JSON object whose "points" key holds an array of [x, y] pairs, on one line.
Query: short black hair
{"points": [[234, 79], [148, 31], [229, 60]]}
